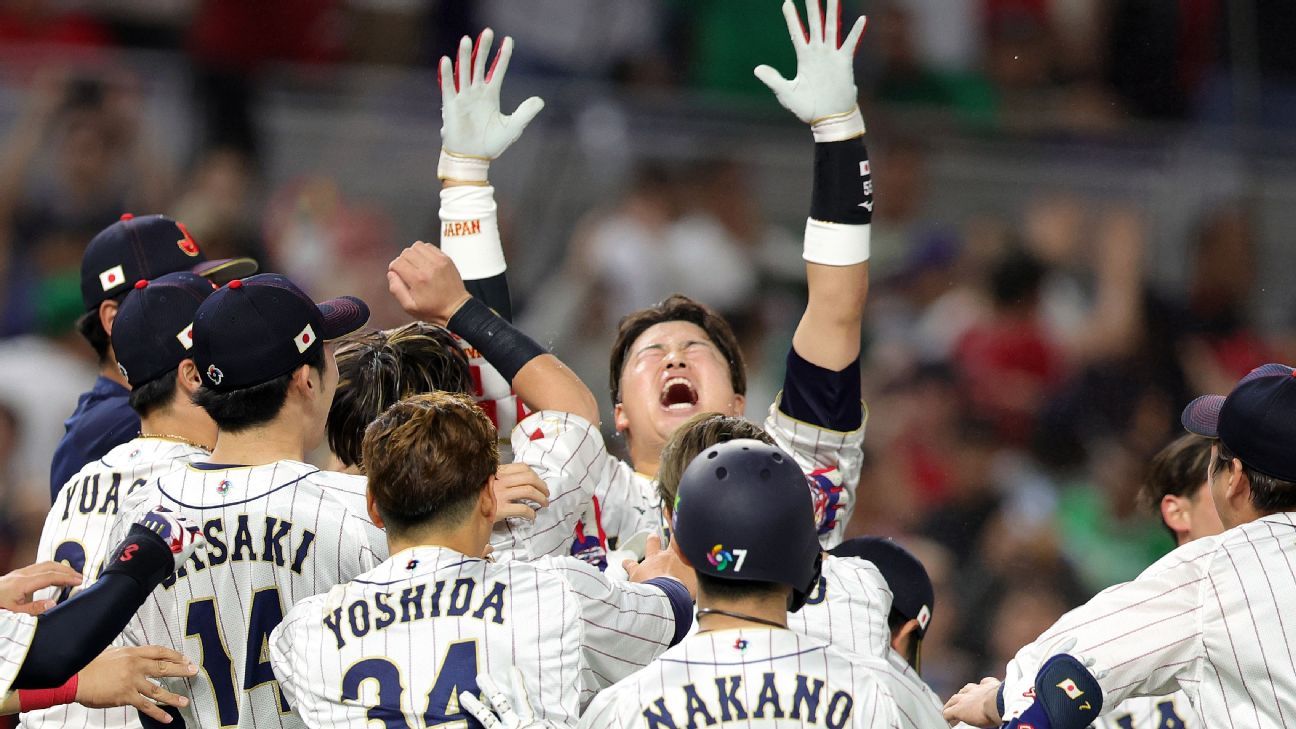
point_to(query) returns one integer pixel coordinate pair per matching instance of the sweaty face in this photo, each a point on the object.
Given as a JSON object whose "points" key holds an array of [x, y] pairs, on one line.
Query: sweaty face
{"points": [[672, 372]]}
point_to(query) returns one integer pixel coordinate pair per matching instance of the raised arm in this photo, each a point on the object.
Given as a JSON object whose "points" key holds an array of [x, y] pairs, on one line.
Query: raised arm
{"points": [[823, 95]]}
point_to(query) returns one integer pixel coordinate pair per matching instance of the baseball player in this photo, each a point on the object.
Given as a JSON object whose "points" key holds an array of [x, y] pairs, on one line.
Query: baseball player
{"points": [[742, 520], [152, 339], [46, 659], [278, 529], [1207, 618], [678, 359], [1178, 489], [851, 606], [127, 251], [399, 643]]}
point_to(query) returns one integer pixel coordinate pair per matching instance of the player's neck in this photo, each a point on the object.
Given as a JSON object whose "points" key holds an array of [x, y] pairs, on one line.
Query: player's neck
{"points": [[181, 426], [258, 446], [646, 458], [466, 540], [768, 608], [110, 371]]}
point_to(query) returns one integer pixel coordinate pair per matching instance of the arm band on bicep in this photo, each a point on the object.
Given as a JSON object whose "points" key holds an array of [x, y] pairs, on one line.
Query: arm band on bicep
{"points": [[500, 343], [841, 204], [71, 634]]}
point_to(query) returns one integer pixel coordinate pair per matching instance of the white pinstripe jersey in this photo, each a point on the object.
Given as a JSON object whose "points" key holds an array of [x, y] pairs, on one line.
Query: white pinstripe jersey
{"points": [[757, 677], [403, 639], [831, 460], [78, 531], [1207, 619], [1151, 712], [849, 610], [276, 534], [567, 452], [16, 633]]}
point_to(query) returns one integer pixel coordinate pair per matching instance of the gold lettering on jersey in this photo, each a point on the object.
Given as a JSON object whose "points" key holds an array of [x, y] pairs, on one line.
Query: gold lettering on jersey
{"points": [[415, 603], [699, 708], [277, 542]]}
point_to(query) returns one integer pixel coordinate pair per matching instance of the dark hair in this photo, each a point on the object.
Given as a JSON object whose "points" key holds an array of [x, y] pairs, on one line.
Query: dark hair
{"points": [[376, 369], [737, 589], [428, 458], [1015, 279], [697, 434], [248, 407], [1269, 495], [90, 328], [1179, 469], [155, 394], [678, 307]]}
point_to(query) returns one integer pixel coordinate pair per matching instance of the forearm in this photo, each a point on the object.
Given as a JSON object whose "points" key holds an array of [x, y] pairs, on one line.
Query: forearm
{"points": [[470, 237], [69, 636], [837, 250]]}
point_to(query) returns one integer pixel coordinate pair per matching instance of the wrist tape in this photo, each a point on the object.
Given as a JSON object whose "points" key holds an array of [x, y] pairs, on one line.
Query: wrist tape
{"points": [[841, 205], [462, 167], [504, 347], [836, 127], [470, 231], [37, 699]]}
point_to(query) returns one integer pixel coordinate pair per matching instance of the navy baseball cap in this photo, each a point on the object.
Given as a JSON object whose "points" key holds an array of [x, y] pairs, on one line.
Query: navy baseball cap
{"points": [[147, 247], [1257, 420], [905, 575], [255, 329], [153, 331]]}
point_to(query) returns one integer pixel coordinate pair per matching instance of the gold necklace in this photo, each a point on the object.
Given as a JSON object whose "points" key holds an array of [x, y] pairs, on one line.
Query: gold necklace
{"points": [[181, 439]]}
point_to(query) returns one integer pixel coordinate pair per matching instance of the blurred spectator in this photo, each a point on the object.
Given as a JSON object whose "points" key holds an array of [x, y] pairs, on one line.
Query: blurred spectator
{"points": [[77, 158], [907, 77], [220, 207], [46, 22]]}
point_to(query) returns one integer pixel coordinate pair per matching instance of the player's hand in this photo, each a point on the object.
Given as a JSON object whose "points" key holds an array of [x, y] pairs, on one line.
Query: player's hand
{"points": [[506, 707], [976, 704], [472, 124], [17, 587], [426, 283], [181, 535], [122, 677], [658, 562], [824, 85], [517, 487]]}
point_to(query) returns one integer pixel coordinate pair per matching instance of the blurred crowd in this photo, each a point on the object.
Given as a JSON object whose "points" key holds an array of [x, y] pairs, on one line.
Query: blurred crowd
{"points": [[1021, 369]]}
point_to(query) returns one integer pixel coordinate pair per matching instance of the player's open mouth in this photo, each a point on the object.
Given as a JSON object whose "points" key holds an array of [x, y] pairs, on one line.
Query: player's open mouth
{"points": [[678, 394]]}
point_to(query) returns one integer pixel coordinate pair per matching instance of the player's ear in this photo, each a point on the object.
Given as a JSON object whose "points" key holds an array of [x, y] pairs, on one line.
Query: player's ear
{"points": [[107, 315], [371, 505], [301, 378], [619, 418], [900, 638], [1175, 513], [675, 547], [187, 377], [486, 502], [739, 405], [1238, 489]]}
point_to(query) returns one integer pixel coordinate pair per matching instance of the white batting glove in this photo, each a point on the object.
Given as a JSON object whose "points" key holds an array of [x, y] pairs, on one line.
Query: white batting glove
{"points": [[503, 709], [473, 129], [823, 92], [180, 534]]}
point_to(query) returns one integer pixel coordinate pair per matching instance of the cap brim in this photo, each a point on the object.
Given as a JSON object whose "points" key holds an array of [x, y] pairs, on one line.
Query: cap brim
{"points": [[342, 316], [224, 270], [1202, 415]]}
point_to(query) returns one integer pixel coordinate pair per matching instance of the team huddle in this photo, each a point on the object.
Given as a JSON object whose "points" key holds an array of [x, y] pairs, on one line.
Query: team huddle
{"points": [[473, 555]]}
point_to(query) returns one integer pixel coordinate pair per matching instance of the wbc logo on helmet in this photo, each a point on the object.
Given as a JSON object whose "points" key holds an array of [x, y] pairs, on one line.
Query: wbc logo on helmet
{"points": [[214, 374]]}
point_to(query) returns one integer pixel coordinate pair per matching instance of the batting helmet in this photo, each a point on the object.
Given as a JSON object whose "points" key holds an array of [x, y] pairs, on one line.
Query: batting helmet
{"points": [[743, 512]]}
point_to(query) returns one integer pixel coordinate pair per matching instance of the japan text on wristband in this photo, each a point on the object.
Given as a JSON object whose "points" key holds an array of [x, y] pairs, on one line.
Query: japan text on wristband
{"points": [[470, 231], [837, 127], [835, 244], [462, 167], [37, 699]]}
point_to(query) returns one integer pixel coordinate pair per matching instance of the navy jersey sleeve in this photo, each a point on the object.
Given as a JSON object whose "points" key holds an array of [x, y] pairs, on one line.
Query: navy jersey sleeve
{"points": [[824, 398], [90, 435]]}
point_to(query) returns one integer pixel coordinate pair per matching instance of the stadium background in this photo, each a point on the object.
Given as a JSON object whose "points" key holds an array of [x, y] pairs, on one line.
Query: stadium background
{"points": [[1083, 218]]}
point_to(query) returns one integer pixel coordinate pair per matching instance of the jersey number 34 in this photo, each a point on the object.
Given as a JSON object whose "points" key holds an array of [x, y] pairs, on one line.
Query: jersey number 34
{"points": [[458, 672]]}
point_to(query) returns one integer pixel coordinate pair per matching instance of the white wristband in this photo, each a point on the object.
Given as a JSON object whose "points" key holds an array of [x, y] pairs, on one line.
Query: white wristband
{"points": [[470, 231], [838, 127], [461, 167], [835, 244]]}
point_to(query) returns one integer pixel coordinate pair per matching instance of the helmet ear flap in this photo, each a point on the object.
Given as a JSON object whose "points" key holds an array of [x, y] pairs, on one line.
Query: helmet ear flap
{"points": [[797, 599]]}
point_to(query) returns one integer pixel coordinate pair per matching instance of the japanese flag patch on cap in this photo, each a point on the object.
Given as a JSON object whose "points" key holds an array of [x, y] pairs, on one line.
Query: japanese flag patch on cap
{"points": [[305, 339], [112, 277]]}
